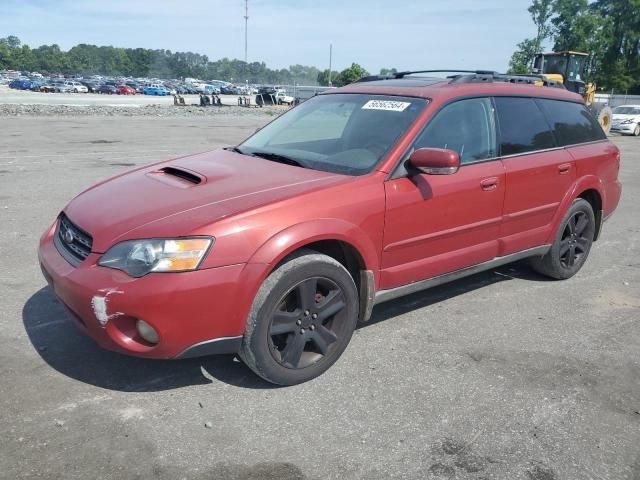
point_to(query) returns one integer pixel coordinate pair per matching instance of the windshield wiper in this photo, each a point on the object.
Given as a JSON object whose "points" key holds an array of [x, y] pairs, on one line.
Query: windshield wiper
{"points": [[276, 157], [235, 149]]}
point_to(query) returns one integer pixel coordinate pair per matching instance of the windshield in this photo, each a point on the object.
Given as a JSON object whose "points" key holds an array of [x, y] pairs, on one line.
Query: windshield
{"points": [[627, 110], [341, 133], [555, 64]]}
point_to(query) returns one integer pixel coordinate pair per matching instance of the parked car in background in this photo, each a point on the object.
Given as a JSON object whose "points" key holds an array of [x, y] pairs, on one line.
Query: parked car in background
{"points": [[21, 84], [136, 88], [283, 99], [62, 87], [626, 120], [107, 89], [76, 87], [91, 86], [156, 90], [125, 90]]}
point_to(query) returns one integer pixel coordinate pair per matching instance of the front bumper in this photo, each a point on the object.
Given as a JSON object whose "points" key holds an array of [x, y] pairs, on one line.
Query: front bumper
{"points": [[623, 128], [195, 313]]}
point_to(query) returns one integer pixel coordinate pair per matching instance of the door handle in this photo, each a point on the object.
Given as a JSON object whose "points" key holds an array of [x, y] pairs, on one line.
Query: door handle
{"points": [[489, 184], [564, 168]]}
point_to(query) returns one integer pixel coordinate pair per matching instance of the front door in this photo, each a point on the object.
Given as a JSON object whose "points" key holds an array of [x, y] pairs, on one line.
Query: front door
{"points": [[441, 223]]}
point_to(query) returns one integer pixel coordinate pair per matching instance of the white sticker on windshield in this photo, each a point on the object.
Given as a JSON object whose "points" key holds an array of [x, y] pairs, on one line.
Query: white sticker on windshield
{"points": [[386, 105]]}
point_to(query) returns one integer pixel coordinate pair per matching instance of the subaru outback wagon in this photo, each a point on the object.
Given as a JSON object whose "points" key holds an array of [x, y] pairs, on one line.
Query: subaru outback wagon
{"points": [[274, 249]]}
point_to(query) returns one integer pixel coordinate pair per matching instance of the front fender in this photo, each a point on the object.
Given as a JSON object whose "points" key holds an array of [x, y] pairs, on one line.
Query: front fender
{"points": [[287, 241], [588, 182], [292, 238]]}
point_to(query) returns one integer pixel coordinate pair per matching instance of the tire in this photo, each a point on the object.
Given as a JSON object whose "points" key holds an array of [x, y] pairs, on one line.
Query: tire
{"points": [[636, 132], [603, 114], [75, 90], [572, 244], [301, 320]]}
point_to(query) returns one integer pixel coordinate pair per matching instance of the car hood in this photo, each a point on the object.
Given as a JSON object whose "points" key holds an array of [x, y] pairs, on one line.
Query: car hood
{"points": [[177, 197], [621, 117]]}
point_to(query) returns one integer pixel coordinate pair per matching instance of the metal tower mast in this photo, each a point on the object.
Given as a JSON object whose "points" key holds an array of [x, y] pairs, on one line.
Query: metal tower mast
{"points": [[246, 27]]}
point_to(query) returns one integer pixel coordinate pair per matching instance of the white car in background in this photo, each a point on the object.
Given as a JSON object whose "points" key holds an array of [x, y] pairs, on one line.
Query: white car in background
{"points": [[626, 120], [76, 87], [282, 98]]}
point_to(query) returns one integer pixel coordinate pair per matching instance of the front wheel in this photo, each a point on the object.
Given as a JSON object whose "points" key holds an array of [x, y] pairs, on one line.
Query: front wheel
{"points": [[636, 131], [573, 242], [301, 320]]}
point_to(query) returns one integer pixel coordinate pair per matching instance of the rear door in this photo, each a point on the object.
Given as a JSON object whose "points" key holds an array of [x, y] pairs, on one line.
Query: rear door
{"points": [[436, 224], [538, 173]]}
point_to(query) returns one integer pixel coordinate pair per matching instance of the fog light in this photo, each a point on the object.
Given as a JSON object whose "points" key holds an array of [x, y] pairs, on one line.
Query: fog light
{"points": [[147, 332]]}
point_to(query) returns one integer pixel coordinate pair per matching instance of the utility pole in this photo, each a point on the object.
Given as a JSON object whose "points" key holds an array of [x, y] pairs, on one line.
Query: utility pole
{"points": [[330, 55], [246, 27]]}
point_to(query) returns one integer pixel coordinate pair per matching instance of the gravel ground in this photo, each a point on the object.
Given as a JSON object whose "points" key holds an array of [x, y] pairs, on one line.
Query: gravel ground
{"points": [[19, 110], [15, 103], [503, 375]]}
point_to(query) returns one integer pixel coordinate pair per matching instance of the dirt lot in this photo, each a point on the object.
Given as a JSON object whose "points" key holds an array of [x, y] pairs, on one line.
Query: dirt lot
{"points": [[503, 375]]}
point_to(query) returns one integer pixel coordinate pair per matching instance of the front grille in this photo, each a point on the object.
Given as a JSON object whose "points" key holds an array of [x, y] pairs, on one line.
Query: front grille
{"points": [[73, 243]]}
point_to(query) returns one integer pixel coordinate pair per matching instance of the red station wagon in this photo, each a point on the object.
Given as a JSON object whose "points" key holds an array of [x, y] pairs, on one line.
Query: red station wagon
{"points": [[275, 248]]}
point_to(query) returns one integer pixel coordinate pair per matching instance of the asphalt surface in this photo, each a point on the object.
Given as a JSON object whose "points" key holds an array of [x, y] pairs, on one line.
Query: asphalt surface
{"points": [[503, 375]]}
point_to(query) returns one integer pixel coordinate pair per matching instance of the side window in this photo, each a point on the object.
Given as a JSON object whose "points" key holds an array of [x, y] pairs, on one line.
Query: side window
{"points": [[466, 126], [523, 128], [572, 122]]}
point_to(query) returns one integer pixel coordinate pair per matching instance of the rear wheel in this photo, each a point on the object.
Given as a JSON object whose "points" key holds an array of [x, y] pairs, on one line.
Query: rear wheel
{"points": [[604, 114], [301, 320], [573, 242]]}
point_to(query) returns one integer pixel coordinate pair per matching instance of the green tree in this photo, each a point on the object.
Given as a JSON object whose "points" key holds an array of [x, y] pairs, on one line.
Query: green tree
{"points": [[541, 12], [350, 75], [323, 77], [388, 71]]}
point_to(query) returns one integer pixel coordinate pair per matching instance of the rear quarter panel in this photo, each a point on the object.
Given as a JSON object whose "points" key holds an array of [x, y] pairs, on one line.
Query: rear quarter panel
{"points": [[601, 161]]}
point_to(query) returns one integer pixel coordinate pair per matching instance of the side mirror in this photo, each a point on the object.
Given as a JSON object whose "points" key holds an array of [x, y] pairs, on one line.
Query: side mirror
{"points": [[435, 161]]}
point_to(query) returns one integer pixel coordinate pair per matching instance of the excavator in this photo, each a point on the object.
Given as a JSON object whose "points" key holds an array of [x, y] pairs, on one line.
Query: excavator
{"points": [[568, 68]]}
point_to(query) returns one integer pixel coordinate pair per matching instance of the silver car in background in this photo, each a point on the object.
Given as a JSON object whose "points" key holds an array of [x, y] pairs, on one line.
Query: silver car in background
{"points": [[626, 120]]}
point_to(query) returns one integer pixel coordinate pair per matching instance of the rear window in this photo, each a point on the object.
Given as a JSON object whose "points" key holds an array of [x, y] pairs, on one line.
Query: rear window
{"points": [[523, 128], [572, 122]]}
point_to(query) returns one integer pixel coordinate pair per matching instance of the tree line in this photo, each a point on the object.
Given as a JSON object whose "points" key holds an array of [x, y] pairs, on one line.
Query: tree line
{"points": [[609, 30], [86, 59]]}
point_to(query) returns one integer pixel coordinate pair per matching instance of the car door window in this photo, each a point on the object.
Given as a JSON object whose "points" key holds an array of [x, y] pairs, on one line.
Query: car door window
{"points": [[572, 122], [466, 126], [523, 128]]}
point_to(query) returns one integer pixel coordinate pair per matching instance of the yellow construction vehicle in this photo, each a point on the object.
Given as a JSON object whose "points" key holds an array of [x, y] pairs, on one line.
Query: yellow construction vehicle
{"points": [[568, 68]]}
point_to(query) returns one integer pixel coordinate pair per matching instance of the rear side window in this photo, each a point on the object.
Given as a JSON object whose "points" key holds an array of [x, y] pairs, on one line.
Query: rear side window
{"points": [[572, 122], [466, 126], [523, 128]]}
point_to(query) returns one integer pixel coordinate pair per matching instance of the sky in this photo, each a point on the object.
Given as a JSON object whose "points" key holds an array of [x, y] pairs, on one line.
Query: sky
{"points": [[426, 34]]}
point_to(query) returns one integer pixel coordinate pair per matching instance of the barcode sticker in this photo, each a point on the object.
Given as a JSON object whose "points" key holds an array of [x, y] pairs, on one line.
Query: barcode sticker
{"points": [[388, 105]]}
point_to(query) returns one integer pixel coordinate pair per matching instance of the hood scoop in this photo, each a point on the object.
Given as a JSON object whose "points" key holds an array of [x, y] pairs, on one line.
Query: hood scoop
{"points": [[177, 176]]}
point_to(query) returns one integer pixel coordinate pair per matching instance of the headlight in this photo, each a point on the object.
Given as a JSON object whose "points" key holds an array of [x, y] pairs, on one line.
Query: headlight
{"points": [[139, 257], [625, 122]]}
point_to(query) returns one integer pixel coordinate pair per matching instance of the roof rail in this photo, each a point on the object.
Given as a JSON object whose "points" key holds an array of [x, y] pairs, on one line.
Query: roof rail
{"points": [[397, 75], [473, 76], [486, 77]]}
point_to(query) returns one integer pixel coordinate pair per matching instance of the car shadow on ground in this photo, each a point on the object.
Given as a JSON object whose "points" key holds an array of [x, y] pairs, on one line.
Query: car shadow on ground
{"points": [[65, 348]]}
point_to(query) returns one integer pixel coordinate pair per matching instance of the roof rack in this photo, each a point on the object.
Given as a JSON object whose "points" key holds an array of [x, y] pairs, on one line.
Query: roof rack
{"points": [[397, 75], [474, 76], [488, 77]]}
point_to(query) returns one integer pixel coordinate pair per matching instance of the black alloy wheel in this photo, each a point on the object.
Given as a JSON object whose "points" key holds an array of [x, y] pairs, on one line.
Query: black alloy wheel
{"points": [[307, 322], [301, 320], [574, 244]]}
